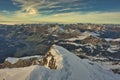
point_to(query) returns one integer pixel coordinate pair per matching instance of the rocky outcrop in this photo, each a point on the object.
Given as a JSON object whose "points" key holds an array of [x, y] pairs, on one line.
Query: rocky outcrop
{"points": [[51, 63], [20, 63], [51, 58]]}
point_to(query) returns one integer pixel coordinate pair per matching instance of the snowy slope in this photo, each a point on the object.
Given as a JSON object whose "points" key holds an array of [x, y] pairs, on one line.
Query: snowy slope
{"points": [[84, 35], [16, 73], [13, 60], [69, 67], [90, 33], [110, 39]]}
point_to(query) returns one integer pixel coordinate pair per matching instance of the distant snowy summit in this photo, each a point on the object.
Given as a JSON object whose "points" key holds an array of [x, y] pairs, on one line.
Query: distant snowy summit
{"points": [[57, 64]]}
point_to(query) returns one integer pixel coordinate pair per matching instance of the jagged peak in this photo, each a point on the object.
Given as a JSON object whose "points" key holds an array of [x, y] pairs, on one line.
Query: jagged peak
{"points": [[53, 59]]}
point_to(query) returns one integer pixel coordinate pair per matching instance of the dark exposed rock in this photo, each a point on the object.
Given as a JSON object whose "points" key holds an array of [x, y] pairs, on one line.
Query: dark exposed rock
{"points": [[116, 71], [93, 40]]}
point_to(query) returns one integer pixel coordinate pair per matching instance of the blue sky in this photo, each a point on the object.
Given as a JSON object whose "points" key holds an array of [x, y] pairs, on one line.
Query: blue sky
{"points": [[61, 11]]}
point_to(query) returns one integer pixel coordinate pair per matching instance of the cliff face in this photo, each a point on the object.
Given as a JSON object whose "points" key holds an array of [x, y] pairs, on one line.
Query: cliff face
{"points": [[53, 59], [49, 61]]}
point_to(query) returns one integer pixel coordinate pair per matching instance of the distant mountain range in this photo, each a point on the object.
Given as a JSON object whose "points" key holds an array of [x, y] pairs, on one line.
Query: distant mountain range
{"points": [[35, 39]]}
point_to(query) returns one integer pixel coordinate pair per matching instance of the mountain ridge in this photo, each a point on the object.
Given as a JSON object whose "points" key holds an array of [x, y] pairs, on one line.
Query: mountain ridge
{"points": [[72, 68]]}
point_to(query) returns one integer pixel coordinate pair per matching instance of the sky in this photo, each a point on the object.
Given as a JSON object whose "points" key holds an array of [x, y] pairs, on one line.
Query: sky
{"points": [[59, 11]]}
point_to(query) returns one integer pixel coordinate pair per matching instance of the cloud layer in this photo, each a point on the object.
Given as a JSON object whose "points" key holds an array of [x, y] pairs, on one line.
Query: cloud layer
{"points": [[63, 11]]}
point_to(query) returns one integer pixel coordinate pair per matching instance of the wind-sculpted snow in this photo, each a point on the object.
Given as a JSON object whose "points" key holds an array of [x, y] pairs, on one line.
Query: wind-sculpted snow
{"points": [[70, 66], [73, 69]]}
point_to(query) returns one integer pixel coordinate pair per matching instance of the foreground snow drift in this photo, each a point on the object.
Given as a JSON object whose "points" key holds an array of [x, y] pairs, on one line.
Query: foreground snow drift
{"points": [[68, 67], [16, 73]]}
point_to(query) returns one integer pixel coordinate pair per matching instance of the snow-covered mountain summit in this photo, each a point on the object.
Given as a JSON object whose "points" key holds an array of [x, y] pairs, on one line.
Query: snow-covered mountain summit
{"points": [[59, 64]]}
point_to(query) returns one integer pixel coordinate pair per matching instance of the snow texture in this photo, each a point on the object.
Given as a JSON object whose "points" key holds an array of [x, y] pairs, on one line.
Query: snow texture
{"points": [[84, 35], [110, 39], [70, 66], [13, 60]]}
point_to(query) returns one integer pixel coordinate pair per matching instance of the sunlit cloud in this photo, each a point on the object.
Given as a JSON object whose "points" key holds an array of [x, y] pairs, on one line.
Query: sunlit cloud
{"points": [[96, 17], [35, 6], [73, 17], [60, 11]]}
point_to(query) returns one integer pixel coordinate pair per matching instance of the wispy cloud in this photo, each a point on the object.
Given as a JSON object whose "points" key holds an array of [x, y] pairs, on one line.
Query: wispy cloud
{"points": [[33, 6], [65, 11]]}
